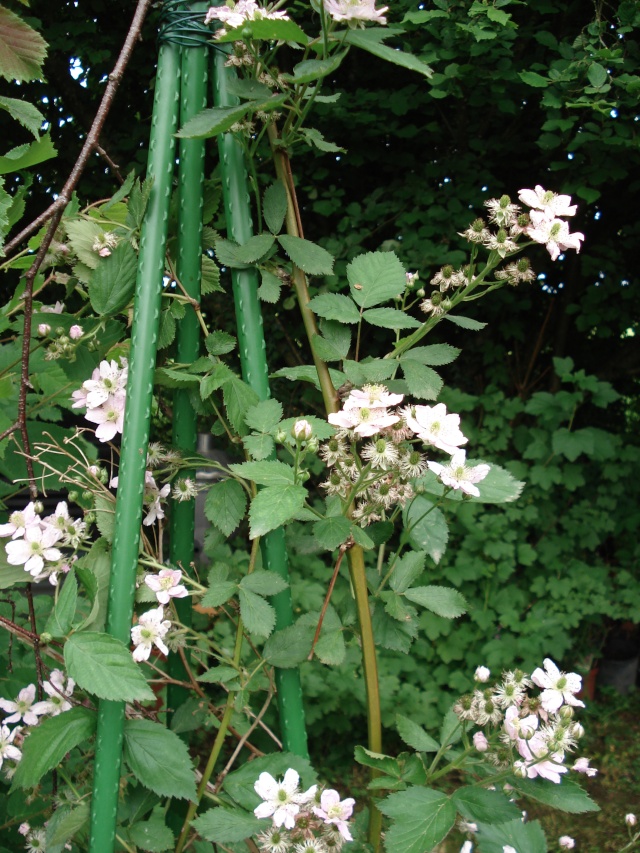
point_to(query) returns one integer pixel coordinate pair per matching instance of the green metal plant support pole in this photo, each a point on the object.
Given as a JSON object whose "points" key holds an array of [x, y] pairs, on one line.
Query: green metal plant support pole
{"points": [[255, 372], [189, 265], [136, 437]]}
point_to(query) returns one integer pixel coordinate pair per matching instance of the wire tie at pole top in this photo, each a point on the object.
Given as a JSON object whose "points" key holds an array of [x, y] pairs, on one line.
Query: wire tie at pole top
{"points": [[183, 26]]}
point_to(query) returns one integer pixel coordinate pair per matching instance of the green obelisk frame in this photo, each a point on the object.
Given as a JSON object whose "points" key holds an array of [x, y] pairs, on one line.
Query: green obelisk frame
{"points": [[180, 76]]}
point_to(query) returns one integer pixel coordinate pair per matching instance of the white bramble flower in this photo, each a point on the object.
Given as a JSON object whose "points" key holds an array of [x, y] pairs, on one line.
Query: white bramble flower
{"points": [[581, 765], [553, 233], [236, 14], [482, 674], [502, 211], [58, 308], [381, 453], [282, 800], [21, 709], [7, 749], [166, 585], [273, 840], [58, 692], [20, 521], [37, 841], [458, 475], [184, 489], [447, 278], [355, 12], [363, 421], [566, 842], [436, 304], [34, 549], [372, 397], [334, 811], [24, 828], [557, 687], [434, 426], [149, 632], [551, 204]]}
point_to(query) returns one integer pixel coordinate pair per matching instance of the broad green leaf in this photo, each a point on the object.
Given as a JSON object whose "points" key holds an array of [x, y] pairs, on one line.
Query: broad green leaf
{"points": [[376, 277], [308, 373], [113, 282], [23, 112], [50, 741], [82, 234], [482, 805], [376, 370], [312, 136], [223, 825], [332, 532], [26, 156], [105, 510], [273, 506], [499, 486], [210, 280], [337, 336], [465, 322], [597, 75], [441, 600], [220, 343], [406, 570], [572, 443], [212, 121], [378, 761], [335, 306], [220, 589], [225, 505], [369, 40], [566, 797], [532, 78], [390, 318], [61, 618], [268, 30], [426, 527], [152, 835], [238, 399], [451, 729], [415, 736], [166, 329], [159, 759], [10, 575], [138, 201], [22, 49], [254, 248], [264, 416], [250, 90], [93, 572], [326, 350], [423, 381], [289, 647], [264, 582], [421, 819], [396, 606], [65, 822], [331, 647], [269, 290], [121, 193], [528, 837], [218, 675], [274, 206], [103, 665], [311, 258], [216, 378], [435, 354], [314, 69], [268, 473], [258, 616], [259, 446]]}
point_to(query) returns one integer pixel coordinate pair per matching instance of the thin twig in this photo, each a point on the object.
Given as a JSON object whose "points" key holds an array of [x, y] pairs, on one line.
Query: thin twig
{"points": [[222, 775], [343, 550]]}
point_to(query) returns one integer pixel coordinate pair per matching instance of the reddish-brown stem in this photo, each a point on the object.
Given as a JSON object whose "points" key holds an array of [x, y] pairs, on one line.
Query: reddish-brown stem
{"points": [[327, 598]]}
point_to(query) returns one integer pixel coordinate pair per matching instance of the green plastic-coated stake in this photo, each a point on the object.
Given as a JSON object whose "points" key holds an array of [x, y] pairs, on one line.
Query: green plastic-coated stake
{"points": [[136, 436], [189, 266], [255, 372]]}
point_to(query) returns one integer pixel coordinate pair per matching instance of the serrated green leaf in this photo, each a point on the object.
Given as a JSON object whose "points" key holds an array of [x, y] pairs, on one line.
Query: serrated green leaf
{"points": [[441, 600], [152, 835], [390, 318], [415, 736], [23, 112], [567, 797], [166, 329], [82, 234], [50, 741], [258, 615], [65, 822], [330, 533], [210, 277], [465, 322], [220, 343], [499, 486], [529, 837], [225, 505], [315, 69], [325, 349], [484, 806], [335, 306], [421, 819], [223, 825], [427, 527], [376, 277], [406, 570], [289, 647], [274, 506], [264, 582], [532, 78], [369, 40], [314, 137], [159, 759], [268, 30], [246, 88], [113, 282], [61, 619], [218, 675], [259, 446], [216, 378], [22, 49], [378, 761], [212, 121], [238, 399], [308, 373], [220, 589], [269, 290], [331, 648], [255, 248], [94, 570], [267, 473], [435, 354], [105, 510], [376, 370], [103, 665], [274, 206], [26, 156], [423, 381], [308, 256], [264, 416]]}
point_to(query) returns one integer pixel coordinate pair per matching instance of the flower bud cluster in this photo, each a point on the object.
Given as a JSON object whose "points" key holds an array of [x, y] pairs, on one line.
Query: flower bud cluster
{"points": [[35, 541], [377, 477], [311, 821], [104, 398], [531, 733]]}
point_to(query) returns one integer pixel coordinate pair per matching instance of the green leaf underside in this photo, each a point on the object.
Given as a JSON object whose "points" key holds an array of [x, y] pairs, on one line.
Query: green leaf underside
{"points": [[422, 818], [308, 256], [159, 759], [441, 600], [223, 825], [103, 665], [50, 741]]}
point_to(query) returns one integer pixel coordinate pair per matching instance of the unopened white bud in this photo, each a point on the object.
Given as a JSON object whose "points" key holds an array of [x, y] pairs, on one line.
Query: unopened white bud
{"points": [[630, 819], [76, 332], [566, 842], [44, 329], [302, 430], [480, 742], [482, 674]]}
